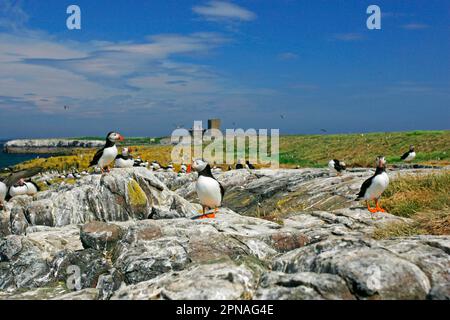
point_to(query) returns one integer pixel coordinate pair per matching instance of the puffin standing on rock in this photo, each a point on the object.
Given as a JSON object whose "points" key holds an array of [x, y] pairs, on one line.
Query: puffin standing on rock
{"points": [[410, 155], [337, 166], [373, 187], [209, 190], [105, 156]]}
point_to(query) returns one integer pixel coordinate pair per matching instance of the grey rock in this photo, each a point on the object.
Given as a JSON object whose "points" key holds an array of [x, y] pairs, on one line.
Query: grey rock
{"points": [[302, 286], [81, 269], [85, 294], [109, 283], [131, 237], [39, 213], [144, 260], [219, 281], [440, 292], [100, 235], [369, 271]]}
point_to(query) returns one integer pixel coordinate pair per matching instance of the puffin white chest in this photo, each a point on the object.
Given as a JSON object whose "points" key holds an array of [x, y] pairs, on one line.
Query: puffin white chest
{"points": [[122, 163], [208, 191], [108, 156], [31, 188], [3, 191], [331, 166], [410, 156], [18, 190], [379, 183]]}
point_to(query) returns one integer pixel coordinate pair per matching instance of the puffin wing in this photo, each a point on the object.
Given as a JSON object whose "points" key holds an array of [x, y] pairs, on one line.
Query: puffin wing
{"points": [[405, 155], [222, 191], [24, 174], [97, 157], [337, 165], [366, 184]]}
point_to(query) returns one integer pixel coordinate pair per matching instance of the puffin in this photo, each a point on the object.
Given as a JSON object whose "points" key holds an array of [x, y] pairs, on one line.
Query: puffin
{"points": [[15, 179], [155, 165], [3, 193], [373, 187], [106, 155], [124, 160], [183, 168], [209, 190], [410, 155], [248, 165], [336, 166], [137, 162], [239, 165], [23, 187]]}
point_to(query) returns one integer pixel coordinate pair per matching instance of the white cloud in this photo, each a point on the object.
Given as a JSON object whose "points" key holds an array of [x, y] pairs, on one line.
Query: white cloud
{"points": [[224, 11], [41, 73], [12, 16]]}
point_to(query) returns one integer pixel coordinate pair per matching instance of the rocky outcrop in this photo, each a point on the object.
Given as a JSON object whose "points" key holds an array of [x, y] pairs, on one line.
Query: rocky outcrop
{"points": [[155, 251], [124, 194], [49, 145]]}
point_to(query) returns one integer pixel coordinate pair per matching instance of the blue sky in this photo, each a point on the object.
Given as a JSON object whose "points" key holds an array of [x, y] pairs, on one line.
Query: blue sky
{"points": [[144, 67]]}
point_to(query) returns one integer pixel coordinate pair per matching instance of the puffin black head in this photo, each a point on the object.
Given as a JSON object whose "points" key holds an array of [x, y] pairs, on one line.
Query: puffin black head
{"points": [[411, 148], [381, 162], [114, 137]]}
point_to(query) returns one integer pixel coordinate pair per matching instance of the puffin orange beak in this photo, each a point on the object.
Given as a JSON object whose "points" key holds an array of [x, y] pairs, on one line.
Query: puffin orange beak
{"points": [[121, 138]]}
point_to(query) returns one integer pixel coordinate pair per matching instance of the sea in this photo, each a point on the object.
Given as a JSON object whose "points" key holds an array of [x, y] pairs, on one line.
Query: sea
{"points": [[10, 159]]}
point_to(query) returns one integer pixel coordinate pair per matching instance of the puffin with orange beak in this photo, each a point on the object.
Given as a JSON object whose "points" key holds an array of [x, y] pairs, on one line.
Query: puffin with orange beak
{"points": [[210, 192], [105, 156], [373, 188], [124, 160]]}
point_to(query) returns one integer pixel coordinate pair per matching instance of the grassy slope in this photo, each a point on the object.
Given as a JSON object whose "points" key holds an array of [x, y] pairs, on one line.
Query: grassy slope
{"points": [[433, 147], [424, 199], [361, 149]]}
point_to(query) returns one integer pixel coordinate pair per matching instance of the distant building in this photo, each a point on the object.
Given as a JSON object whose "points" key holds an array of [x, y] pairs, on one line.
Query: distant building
{"points": [[214, 124]]}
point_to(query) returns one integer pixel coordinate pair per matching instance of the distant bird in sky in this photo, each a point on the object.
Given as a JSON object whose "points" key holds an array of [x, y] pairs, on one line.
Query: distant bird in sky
{"points": [[323, 130], [66, 107], [282, 116]]}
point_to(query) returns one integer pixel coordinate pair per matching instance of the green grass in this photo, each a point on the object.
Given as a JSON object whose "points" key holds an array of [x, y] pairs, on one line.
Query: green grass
{"points": [[432, 147], [361, 149], [424, 199]]}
